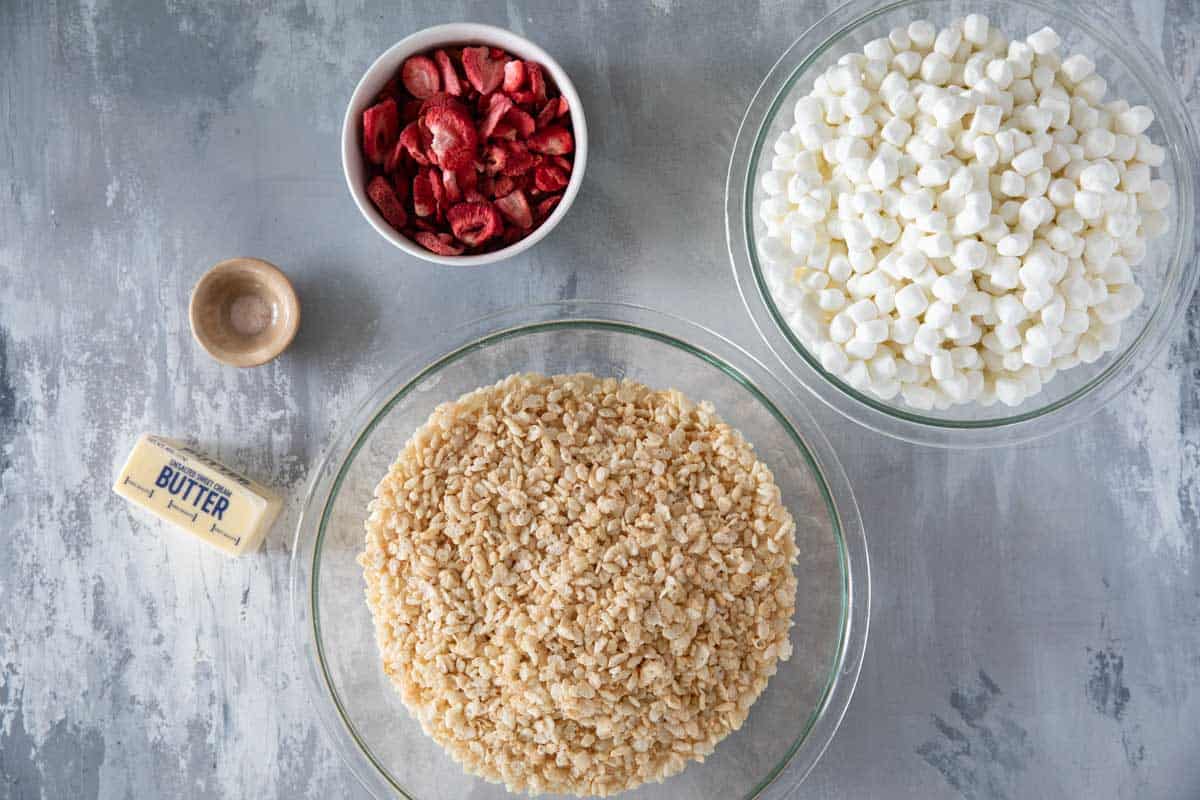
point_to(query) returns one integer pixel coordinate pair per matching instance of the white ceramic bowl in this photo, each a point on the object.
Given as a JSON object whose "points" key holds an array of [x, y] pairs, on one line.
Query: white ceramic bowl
{"points": [[385, 67]]}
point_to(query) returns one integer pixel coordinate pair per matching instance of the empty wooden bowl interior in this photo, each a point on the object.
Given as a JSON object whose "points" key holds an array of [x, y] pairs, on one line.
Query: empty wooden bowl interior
{"points": [[244, 312]]}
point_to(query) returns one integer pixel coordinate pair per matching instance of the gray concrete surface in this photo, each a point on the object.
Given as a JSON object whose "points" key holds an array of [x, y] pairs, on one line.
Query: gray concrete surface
{"points": [[1036, 625]]}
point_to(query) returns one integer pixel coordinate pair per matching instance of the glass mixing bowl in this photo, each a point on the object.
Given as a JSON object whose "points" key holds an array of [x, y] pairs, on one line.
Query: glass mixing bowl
{"points": [[1168, 275], [795, 717]]}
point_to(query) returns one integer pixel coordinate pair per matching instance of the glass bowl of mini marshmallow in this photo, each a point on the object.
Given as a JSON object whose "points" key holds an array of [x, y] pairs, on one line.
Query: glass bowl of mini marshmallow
{"points": [[965, 224]]}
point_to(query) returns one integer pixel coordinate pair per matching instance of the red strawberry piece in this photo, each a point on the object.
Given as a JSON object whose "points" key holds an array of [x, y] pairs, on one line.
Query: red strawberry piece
{"points": [[395, 156], [498, 106], [420, 76], [474, 196], [454, 137], [450, 80], [554, 141], [548, 113], [439, 193], [537, 81], [526, 99], [555, 107], [381, 126], [518, 159], [562, 163], [451, 186], [424, 201], [494, 158], [442, 100], [546, 206], [459, 182], [384, 198], [504, 130], [522, 122], [515, 207], [483, 70], [502, 185], [474, 223], [413, 141], [498, 53], [425, 224], [440, 243], [549, 178], [514, 75]]}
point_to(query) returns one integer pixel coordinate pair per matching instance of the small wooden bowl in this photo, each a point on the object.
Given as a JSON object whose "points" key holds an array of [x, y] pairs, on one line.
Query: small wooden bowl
{"points": [[244, 312]]}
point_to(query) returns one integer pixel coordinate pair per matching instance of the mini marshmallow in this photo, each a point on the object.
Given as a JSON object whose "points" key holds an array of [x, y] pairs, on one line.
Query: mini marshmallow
{"points": [[975, 29], [1044, 41]]}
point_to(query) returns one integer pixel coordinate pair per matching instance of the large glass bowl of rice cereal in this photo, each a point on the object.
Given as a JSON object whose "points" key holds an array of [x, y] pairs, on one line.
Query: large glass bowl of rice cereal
{"points": [[581, 549]]}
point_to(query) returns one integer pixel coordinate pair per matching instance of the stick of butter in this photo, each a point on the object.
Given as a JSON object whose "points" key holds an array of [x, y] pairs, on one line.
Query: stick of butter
{"points": [[208, 500]]}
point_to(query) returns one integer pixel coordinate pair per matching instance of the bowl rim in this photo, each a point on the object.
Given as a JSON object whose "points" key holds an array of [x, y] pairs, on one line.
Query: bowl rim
{"points": [[386, 64], [1179, 284], [304, 568]]}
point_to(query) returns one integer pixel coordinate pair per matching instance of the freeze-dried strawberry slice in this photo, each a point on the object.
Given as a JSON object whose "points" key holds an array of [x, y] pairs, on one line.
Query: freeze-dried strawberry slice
{"points": [[384, 198], [474, 223], [502, 185], [381, 126], [452, 185], [518, 159], [412, 141], [555, 107], [483, 70], [450, 82], [439, 193], [549, 178], [554, 141], [548, 113], [504, 130], [498, 105], [522, 122], [514, 75], [495, 157], [440, 243], [545, 207], [420, 76], [425, 224], [562, 163], [515, 207], [537, 81], [424, 202], [443, 100], [454, 137], [523, 98]]}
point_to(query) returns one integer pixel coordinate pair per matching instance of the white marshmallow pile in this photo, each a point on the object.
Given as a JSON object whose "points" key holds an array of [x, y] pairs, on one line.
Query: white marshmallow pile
{"points": [[954, 217]]}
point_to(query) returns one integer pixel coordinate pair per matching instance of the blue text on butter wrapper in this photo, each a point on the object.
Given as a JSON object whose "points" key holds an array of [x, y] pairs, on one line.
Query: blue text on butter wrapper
{"points": [[207, 498]]}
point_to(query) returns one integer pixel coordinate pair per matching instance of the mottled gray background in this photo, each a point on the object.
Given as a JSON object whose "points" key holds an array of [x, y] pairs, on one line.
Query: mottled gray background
{"points": [[1036, 624]]}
